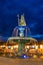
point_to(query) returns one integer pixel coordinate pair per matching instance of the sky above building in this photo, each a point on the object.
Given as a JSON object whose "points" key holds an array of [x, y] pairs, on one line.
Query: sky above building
{"points": [[33, 13]]}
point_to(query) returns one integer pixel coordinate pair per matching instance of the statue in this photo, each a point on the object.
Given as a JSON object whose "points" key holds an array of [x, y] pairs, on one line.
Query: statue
{"points": [[21, 22]]}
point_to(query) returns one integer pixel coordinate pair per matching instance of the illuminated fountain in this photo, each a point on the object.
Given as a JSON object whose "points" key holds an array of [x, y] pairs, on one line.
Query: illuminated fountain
{"points": [[21, 30], [20, 39]]}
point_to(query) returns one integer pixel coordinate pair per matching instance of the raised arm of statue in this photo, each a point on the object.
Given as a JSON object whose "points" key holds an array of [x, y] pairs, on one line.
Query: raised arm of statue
{"points": [[18, 20]]}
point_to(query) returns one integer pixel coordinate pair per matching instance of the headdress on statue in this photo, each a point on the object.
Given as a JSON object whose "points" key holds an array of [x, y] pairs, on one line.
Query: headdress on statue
{"points": [[21, 21]]}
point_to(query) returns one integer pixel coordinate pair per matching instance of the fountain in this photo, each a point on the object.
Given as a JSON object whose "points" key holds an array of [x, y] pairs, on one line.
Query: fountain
{"points": [[20, 36]]}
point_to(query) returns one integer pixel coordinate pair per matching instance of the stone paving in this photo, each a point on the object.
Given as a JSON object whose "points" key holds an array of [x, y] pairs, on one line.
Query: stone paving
{"points": [[9, 61]]}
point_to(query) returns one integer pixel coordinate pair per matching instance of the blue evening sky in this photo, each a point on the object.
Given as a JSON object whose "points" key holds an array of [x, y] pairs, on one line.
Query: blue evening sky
{"points": [[33, 12]]}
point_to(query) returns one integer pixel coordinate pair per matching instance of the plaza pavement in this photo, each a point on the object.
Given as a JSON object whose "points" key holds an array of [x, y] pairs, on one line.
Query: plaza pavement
{"points": [[16, 61]]}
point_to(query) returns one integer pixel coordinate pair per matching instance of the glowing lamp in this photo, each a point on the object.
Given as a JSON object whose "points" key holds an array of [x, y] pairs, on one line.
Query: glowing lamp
{"points": [[41, 46], [36, 47]]}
